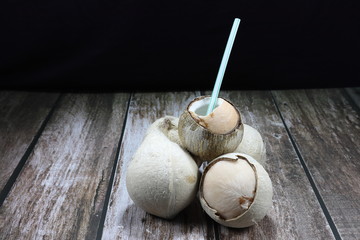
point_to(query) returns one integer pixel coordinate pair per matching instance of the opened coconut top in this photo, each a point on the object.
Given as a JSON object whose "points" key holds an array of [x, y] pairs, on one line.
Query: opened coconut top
{"points": [[223, 119]]}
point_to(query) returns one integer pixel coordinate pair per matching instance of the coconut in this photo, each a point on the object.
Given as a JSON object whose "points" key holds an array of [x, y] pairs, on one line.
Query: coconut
{"points": [[162, 177], [169, 127], [209, 136], [252, 144], [235, 190]]}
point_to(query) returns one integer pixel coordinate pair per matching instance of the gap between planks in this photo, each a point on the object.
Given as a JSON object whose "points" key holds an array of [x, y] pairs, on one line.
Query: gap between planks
{"points": [[109, 189], [326, 127], [353, 97], [296, 213], [123, 218], [308, 174], [69, 125], [112, 177], [12, 179]]}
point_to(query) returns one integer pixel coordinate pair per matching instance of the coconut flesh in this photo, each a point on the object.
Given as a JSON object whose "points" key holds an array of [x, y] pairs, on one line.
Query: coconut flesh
{"points": [[238, 184], [235, 190], [209, 136], [223, 119]]}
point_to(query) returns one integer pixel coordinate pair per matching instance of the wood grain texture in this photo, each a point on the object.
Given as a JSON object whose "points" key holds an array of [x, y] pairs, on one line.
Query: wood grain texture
{"points": [[326, 130], [21, 115], [296, 213], [61, 189], [124, 220]]}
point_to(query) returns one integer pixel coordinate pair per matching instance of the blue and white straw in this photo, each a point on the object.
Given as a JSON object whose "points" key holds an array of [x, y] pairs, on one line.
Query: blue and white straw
{"points": [[224, 61]]}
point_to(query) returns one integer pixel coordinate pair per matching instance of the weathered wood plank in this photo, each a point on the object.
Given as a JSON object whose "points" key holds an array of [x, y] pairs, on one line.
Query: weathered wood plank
{"points": [[61, 190], [124, 220], [326, 130], [21, 116], [296, 213]]}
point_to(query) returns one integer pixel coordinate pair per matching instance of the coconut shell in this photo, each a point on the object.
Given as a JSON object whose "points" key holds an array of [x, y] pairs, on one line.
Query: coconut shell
{"points": [[204, 143], [261, 204]]}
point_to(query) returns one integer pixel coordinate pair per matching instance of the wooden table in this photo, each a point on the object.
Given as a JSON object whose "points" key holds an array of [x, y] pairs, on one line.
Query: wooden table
{"points": [[63, 159]]}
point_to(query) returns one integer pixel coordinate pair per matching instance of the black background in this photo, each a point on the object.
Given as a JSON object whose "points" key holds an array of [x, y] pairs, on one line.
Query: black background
{"points": [[177, 45]]}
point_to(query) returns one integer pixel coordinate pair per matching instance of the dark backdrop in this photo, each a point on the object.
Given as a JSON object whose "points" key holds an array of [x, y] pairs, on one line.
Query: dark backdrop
{"points": [[167, 45]]}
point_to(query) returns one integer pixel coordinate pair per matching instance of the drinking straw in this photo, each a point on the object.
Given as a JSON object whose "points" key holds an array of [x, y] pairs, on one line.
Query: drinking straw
{"points": [[221, 72]]}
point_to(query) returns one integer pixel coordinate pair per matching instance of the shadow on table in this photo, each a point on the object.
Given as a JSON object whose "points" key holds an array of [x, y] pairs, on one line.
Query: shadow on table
{"points": [[265, 229]]}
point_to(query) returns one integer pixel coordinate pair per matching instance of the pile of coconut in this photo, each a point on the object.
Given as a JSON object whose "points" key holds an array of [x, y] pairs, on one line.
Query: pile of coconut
{"points": [[234, 189]]}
